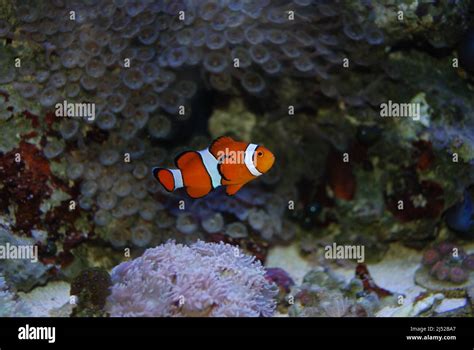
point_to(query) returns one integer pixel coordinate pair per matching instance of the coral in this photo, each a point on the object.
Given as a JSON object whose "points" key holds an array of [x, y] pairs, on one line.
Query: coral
{"points": [[91, 287], [25, 183], [433, 22], [172, 63], [252, 212], [421, 200], [13, 129], [24, 274], [281, 278], [447, 262], [284, 282], [449, 127], [9, 305], [304, 77], [223, 122], [51, 300], [334, 304], [425, 305], [203, 279], [322, 294]]}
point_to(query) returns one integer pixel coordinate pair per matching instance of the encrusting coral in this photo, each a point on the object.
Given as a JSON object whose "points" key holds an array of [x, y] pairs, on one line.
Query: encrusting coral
{"points": [[446, 266], [91, 287], [9, 305], [21, 272]]}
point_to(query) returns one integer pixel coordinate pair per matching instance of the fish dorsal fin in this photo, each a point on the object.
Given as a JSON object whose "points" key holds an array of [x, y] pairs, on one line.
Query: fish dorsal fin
{"points": [[220, 143], [183, 158], [232, 189]]}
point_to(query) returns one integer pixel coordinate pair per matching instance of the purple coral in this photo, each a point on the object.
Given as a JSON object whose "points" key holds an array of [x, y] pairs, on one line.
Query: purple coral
{"points": [[203, 279], [448, 262], [281, 278]]}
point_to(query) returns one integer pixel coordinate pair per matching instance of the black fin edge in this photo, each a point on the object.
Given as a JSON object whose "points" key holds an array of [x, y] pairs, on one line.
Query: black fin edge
{"points": [[179, 156], [155, 172]]}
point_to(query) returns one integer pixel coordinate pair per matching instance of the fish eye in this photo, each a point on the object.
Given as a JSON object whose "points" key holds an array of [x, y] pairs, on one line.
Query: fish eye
{"points": [[259, 153]]}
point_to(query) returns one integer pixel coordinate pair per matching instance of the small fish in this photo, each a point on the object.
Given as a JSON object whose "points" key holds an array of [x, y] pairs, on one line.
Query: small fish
{"points": [[225, 162]]}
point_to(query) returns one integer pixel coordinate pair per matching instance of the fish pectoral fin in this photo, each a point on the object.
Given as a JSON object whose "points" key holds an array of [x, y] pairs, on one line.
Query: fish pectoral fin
{"points": [[232, 189], [196, 192], [221, 168], [235, 173], [226, 182]]}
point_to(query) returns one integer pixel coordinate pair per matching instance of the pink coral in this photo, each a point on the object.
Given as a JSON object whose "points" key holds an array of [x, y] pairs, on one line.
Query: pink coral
{"points": [[204, 279]]}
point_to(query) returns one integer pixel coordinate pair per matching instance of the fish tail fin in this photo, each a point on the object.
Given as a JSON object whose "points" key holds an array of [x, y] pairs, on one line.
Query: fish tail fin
{"points": [[170, 179]]}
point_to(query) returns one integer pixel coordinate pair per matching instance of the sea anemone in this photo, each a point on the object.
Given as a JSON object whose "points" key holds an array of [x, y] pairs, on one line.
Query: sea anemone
{"points": [[203, 279]]}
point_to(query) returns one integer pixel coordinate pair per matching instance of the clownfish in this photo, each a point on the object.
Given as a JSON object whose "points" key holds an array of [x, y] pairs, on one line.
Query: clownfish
{"points": [[225, 162]]}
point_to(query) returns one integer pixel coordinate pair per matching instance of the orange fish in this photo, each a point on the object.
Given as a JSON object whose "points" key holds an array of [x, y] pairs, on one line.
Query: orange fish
{"points": [[225, 162]]}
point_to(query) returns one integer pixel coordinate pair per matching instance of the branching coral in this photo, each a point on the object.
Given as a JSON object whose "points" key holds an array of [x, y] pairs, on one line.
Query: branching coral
{"points": [[204, 279]]}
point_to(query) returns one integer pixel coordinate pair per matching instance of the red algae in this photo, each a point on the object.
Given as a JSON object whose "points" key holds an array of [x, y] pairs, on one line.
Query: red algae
{"points": [[25, 183], [35, 161], [35, 123], [424, 154], [430, 193]]}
